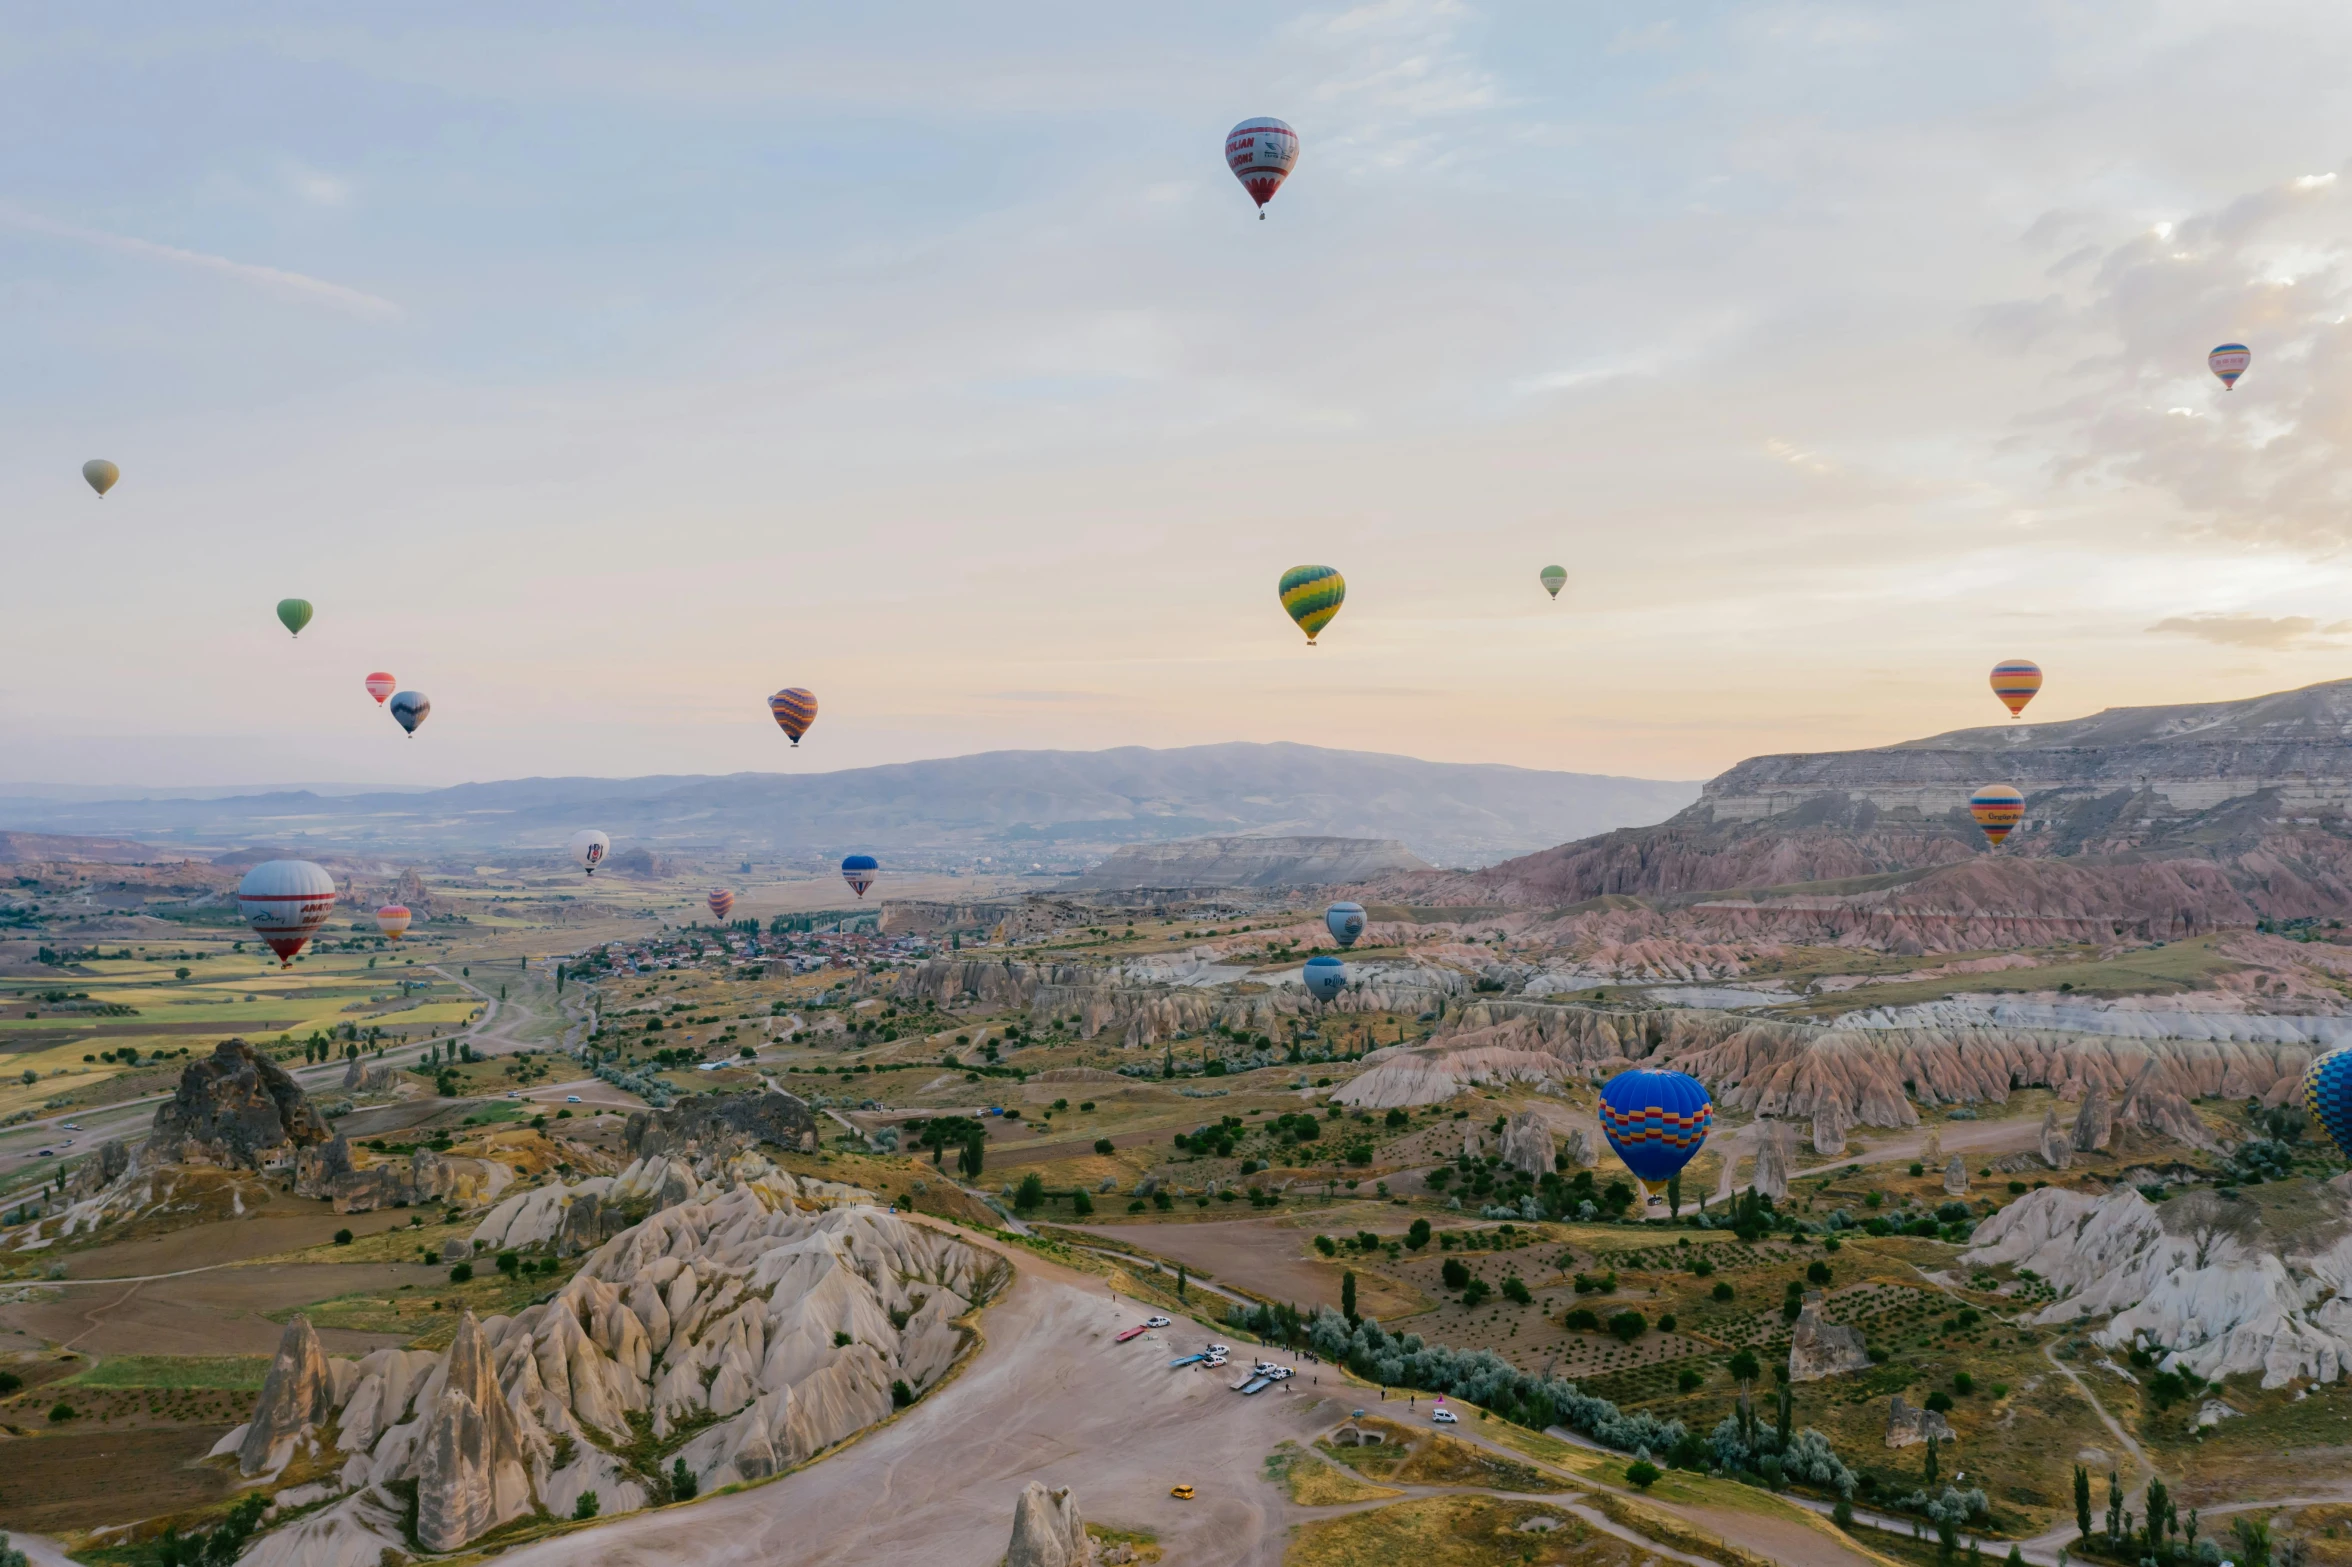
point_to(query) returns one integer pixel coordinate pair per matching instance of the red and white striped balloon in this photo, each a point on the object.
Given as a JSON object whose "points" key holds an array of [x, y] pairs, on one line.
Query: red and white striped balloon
{"points": [[380, 686]]}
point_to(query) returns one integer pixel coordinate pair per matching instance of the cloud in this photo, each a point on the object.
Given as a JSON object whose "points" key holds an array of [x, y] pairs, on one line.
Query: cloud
{"points": [[2276, 633], [276, 279]]}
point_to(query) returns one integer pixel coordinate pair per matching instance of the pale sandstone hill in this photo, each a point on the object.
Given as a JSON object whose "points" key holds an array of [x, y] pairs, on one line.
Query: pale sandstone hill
{"points": [[2219, 1283], [1253, 862], [720, 1310]]}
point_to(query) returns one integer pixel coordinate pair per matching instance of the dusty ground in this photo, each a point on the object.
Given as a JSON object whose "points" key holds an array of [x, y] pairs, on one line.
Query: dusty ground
{"points": [[289, 1225], [61, 1482], [1268, 1257], [219, 1312]]}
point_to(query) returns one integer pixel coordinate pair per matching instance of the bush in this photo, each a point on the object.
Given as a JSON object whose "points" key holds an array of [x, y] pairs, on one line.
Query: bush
{"points": [[1475, 1293], [1918, 1170], [1817, 1273], [586, 1507], [342, 1237], [1689, 1379], [10, 1382], [901, 1395], [1723, 1291], [1628, 1326], [1030, 1192], [510, 1263], [1940, 1401], [1081, 1204], [1417, 1236], [683, 1486], [462, 1273], [1581, 1320], [1454, 1274], [1963, 1384], [1330, 1248], [1641, 1474], [1701, 1268], [1666, 1323], [1515, 1291], [60, 1413], [841, 1340], [1103, 1145]]}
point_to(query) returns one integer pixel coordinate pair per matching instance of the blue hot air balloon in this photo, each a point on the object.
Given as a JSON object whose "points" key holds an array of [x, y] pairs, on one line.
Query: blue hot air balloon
{"points": [[1655, 1120], [1345, 921], [859, 870], [2327, 1094], [1326, 977]]}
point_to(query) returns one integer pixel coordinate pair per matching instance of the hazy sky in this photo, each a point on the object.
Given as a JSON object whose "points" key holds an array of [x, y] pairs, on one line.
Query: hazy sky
{"points": [[598, 377]]}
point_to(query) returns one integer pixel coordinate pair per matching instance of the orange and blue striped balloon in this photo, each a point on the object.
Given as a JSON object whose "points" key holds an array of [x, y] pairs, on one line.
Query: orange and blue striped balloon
{"points": [[794, 710], [1311, 595], [2015, 680], [2327, 1094], [2229, 361], [1997, 809]]}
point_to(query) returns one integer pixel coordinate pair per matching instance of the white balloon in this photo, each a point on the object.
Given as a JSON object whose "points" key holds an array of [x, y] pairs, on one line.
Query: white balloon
{"points": [[589, 847]]}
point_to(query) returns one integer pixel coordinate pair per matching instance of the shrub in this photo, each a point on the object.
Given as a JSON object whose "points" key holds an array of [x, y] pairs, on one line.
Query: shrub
{"points": [[1417, 1235], [1817, 1273], [1641, 1474], [840, 1340], [1688, 1379], [1030, 1192], [1081, 1204], [1701, 1268], [1723, 1291], [1330, 1248], [586, 1507], [60, 1413], [342, 1237], [1103, 1145], [1475, 1292], [10, 1382], [1940, 1401], [1515, 1291], [1454, 1274], [1629, 1325], [900, 1394], [1963, 1384], [1918, 1169], [1666, 1323], [510, 1263], [683, 1485], [462, 1273], [1581, 1320]]}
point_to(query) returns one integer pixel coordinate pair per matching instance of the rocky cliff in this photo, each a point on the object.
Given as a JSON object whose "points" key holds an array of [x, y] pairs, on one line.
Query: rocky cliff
{"points": [[710, 1334], [235, 1107], [708, 1126], [2224, 1283], [1253, 862]]}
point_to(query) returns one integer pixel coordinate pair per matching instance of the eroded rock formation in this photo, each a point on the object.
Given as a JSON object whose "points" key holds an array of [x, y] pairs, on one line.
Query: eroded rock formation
{"points": [[1047, 1531], [1821, 1348], [361, 1183], [717, 1126], [1527, 1145], [710, 1327], [1956, 1177], [297, 1397], [1908, 1425], [1773, 1150], [235, 1107], [2056, 1150]]}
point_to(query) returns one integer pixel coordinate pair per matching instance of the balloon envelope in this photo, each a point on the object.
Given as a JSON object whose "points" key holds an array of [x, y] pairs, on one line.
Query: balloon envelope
{"points": [[1997, 809], [1554, 578], [294, 614], [286, 901], [794, 710], [1345, 921], [100, 474], [588, 847], [411, 708], [1655, 1120], [380, 685], [2327, 1094], [1261, 153], [1326, 977], [859, 871], [2015, 680], [1311, 595], [392, 920], [2229, 361], [721, 902]]}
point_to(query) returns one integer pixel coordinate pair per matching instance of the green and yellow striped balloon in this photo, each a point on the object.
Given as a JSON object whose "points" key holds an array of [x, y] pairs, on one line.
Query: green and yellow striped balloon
{"points": [[1311, 595], [294, 614]]}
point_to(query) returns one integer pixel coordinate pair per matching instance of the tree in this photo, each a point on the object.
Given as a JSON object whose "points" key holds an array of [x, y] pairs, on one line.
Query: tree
{"points": [[2208, 1219], [2253, 1542], [586, 1507], [1928, 1472], [900, 1394], [1744, 1367], [2082, 1500], [1628, 1326], [1081, 1204], [1182, 1277], [462, 1273], [683, 1486], [2016, 1557], [2115, 1509], [1785, 1415], [1674, 1195], [1030, 1193], [1454, 1274], [1347, 1296], [1641, 1474], [1417, 1235], [1104, 1146]]}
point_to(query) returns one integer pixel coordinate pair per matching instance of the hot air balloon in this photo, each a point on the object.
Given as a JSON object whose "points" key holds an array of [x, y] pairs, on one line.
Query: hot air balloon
{"points": [[286, 901], [588, 847], [392, 920], [794, 710], [1554, 578], [859, 871], [380, 685], [101, 475], [1655, 1120], [2327, 1094], [294, 614], [1325, 977], [1345, 921], [1311, 595], [411, 708], [721, 902], [2015, 680], [2229, 361], [1261, 154], [1997, 808]]}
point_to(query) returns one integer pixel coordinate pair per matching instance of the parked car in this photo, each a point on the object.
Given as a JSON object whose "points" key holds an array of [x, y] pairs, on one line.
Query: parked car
{"points": [[1155, 1322], [1445, 1417], [571, 1099], [1182, 1493]]}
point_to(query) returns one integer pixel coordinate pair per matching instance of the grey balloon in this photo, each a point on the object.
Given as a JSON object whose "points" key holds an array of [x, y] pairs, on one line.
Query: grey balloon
{"points": [[409, 709]]}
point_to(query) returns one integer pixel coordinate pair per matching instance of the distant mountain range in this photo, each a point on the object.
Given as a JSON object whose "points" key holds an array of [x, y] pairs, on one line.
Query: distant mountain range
{"points": [[1056, 809]]}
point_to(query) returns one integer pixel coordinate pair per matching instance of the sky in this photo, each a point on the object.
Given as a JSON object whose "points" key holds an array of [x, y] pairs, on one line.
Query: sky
{"points": [[599, 370]]}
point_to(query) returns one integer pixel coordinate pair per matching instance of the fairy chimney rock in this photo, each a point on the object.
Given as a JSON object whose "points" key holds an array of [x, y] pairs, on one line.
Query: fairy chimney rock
{"points": [[2094, 1123], [1821, 1348], [1772, 1160], [297, 1397], [471, 1473], [1956, 1177], [1527, 1145], [2056, 1149], [1047, 1531]]}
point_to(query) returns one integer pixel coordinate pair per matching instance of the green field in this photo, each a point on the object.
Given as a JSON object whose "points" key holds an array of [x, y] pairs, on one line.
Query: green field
{"points": [[239, 1373]]}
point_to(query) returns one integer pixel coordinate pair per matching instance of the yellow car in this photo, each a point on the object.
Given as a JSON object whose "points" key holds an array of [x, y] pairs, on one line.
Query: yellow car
{"points": [[1182, 1493]]}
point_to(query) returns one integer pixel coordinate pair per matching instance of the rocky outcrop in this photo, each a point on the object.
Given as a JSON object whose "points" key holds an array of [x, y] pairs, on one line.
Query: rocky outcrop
{"points": [[357, 1183], [1932, 1154], [1396, 1077], [1579, 1150], [715, 1127], [471, 1467], [1830, 1125], [1047, 1531], [1908, 1425], [2094, 1123], [1821, 1348], [2056, 1149], [238, 1108], [2202, 1275], [1253, 862], [712, 1326], [1773, 1151], [1956, 1177], [297, 1397], [1527, 1145]]}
